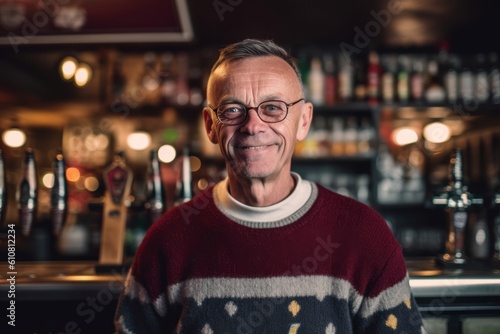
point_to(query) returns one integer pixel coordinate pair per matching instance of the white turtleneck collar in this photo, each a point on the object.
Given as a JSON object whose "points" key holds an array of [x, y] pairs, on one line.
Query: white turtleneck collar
{"points": [[278, 214]]}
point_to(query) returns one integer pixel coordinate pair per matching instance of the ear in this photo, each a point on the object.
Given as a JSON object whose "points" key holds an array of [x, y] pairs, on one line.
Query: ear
{"points": [[209, 125], [305, 121]]}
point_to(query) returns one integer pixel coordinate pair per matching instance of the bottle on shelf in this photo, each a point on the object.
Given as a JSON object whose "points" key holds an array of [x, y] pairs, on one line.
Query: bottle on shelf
{"points": [[373, 75], [466, 82], [316, 82], [27, 193], [346, 79], [403, 79], [360, 80], [320, 137], [451, 79], [417, 80], [3, 190], [59, 195], [337, 137], [156, 194], [388, 78], [330, 80], [351, 136], [434, 89]]}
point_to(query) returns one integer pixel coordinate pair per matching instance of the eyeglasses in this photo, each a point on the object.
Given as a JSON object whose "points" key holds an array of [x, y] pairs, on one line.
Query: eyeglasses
{"points": [[271, 111]]}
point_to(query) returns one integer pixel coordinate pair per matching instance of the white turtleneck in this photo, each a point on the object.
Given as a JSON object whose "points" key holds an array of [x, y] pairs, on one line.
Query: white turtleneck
{"points": [[269, 216]]}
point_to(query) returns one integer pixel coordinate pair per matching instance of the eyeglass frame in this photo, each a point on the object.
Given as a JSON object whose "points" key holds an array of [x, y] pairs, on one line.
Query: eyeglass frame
{"points": [[247, 108]]}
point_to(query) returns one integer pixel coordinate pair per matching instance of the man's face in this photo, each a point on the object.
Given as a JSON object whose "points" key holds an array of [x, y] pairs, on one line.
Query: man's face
{"points": [[256, 149]]}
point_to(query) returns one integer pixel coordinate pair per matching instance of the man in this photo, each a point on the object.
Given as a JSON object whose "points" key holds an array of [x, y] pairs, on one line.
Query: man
{"points": [[265, 251]]}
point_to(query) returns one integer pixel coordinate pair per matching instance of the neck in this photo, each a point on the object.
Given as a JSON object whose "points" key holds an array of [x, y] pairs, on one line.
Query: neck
{"points": [[260, 191]]}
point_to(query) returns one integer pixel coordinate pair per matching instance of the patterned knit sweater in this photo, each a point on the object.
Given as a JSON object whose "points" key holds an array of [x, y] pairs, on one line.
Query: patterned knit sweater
{"points": [[323, 263]]}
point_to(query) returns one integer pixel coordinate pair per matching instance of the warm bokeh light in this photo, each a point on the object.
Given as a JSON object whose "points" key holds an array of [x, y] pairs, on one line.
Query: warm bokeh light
{"points": [[48, 180], [68, 68], [202, 183], [83, 75], [14, 137], [437, 132], [139, 140], [404, 136], [166, 153], [195, 163], [91, 183], [72, 174]]}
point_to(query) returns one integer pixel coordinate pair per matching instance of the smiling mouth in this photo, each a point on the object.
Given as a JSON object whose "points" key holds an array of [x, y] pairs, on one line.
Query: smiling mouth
{"points": [[253, 147]]}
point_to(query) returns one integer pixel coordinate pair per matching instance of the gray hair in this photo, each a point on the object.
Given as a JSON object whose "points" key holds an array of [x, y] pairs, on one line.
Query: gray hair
{"points": [[249, 48]]}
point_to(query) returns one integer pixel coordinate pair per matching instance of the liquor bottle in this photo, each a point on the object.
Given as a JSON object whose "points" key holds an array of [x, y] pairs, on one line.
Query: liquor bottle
{"points": [[184, 184], [156, 194], [388, 78], [466, 83], [373, 75], [316, 82], [456, 200], [59, 195], [360, 80], [330, 80], [27, 193], [337, 137], [403, 81], [494, 74], [3, 191], [451, 79], [417, 80], [482, 89], [346, 79], [434, 89], [351, 136]]}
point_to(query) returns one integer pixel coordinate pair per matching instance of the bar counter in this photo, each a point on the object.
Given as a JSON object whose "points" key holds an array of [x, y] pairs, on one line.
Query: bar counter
{"points": [[75, 296]]}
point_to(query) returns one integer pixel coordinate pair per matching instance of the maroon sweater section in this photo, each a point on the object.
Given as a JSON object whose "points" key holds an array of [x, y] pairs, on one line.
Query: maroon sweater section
{"points": [[337, 237]]}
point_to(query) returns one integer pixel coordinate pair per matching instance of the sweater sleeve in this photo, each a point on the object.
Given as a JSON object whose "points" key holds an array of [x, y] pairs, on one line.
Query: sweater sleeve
{"points": [[393, 308], [142, 307]]}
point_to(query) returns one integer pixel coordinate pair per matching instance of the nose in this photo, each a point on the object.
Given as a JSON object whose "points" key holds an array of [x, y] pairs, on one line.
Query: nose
{"points": [[253, 124]]}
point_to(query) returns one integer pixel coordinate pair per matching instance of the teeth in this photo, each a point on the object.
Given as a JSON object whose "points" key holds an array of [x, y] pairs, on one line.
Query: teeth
{"points": [[252, 147]]}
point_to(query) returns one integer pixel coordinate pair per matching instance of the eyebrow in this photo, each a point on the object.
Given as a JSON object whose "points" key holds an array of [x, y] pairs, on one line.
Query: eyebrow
{"points": [[263, 99]]}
